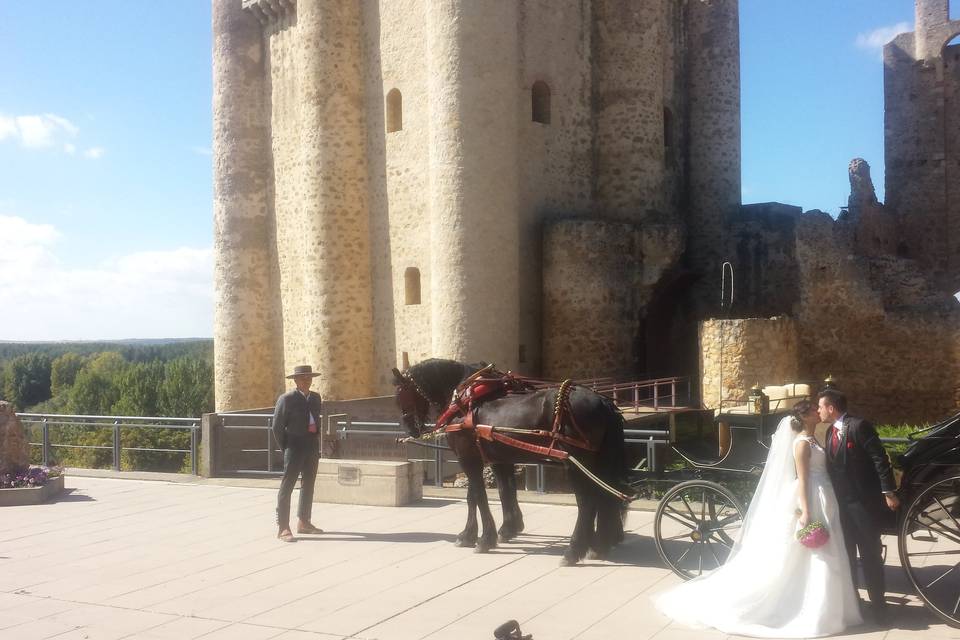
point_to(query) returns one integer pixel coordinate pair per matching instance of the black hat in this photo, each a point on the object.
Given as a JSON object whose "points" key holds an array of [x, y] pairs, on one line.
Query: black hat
{"points": [[303, 370]]}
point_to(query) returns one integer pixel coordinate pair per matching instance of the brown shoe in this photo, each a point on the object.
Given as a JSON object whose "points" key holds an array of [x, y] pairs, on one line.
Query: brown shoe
{"points": [[286, 536], [309, 529]]}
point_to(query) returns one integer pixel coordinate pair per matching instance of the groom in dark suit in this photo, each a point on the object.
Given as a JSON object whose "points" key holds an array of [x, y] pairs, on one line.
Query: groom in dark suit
{"points": [[863, 481]]}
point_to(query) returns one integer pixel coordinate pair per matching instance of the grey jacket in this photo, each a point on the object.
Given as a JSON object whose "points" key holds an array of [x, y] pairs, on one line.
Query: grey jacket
{"points": [[290, 416]]}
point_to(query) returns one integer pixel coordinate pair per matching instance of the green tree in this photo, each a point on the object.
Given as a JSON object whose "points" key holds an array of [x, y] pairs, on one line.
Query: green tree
{"points": [[139, 387], [97, 385], [63, 372], [26, 380], [187, 390]]}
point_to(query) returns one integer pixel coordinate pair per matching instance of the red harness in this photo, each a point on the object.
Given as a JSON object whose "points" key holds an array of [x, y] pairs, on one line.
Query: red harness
{"points": [[474, 392]]}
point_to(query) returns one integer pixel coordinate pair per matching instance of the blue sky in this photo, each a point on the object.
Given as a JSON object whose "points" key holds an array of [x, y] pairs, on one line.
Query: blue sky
{"points": [[105, 175]]}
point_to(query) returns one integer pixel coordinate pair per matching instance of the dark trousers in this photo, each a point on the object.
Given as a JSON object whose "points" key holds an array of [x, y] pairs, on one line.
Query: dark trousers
{"points": [[301, 457], [862, 531]]}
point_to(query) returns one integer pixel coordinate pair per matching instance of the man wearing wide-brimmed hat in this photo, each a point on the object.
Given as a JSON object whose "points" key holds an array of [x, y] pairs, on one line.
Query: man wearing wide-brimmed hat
{"points": [[296, 425]]}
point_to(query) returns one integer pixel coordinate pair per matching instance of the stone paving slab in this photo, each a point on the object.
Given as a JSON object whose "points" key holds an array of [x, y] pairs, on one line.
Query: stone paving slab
{"points": [[115, 559]]}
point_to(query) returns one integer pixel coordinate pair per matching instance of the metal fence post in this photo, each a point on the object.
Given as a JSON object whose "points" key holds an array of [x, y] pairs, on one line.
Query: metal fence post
{"points": [[438, 467], [116, 445], [269, 444], [651, 455], [193, 448], [673, 392], [45, 439], [540, 479]]}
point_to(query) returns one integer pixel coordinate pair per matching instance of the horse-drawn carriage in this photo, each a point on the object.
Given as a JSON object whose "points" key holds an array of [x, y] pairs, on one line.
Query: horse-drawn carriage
{"points": [[499, 420]]}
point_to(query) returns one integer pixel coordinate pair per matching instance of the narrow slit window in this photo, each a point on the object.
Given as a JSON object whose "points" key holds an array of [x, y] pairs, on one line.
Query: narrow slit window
{"points": [[394, 111], [411, 286], [541, 102]]}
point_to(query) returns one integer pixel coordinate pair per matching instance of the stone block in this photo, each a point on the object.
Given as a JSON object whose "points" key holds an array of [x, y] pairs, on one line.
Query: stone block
{"points": [[370, 482], [31, 495]]}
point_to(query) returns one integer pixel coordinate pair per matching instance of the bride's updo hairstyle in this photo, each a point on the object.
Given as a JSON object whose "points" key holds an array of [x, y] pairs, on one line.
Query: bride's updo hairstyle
{"points": [[799, 410]]}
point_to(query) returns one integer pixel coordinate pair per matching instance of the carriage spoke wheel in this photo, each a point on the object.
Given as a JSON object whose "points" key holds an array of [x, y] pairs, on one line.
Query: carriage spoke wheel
{"points": [[695, 527], [929, 544]]}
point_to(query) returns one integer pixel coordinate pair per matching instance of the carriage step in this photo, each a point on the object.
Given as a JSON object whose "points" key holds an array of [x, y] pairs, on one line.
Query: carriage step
{"points": [[510, 630]]}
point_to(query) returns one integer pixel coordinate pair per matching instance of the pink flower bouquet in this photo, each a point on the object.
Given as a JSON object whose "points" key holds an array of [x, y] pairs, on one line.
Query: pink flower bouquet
{"points": [[813, 535]]}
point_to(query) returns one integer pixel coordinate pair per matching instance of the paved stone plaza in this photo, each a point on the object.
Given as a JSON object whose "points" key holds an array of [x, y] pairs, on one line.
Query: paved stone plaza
{"points": [[118, 558]]}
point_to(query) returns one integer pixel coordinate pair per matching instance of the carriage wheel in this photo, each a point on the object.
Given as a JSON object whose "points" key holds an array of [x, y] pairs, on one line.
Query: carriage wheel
{"points": [[929, 544], [695, 527]]}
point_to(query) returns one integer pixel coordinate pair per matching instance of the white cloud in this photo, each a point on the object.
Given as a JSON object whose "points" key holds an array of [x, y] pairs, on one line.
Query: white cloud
{"points": [[37, 131], [202, 151], [874, 40], [44, 131], [167, 293]]}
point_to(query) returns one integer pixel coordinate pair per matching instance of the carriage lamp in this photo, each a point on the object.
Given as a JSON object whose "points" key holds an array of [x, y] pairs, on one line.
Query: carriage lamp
{"points": [[757, 401], [829, 382]]}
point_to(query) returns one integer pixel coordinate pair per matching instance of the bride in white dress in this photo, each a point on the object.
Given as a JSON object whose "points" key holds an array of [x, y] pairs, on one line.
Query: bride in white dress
{"points": [[772, 586]]}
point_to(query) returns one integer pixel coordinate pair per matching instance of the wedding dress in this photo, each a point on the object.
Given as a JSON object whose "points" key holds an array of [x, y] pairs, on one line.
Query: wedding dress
{"points": [[772, 586]]}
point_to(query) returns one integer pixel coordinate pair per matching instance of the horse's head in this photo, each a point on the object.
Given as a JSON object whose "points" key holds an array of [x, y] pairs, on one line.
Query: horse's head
{"points": [[412, 403]]}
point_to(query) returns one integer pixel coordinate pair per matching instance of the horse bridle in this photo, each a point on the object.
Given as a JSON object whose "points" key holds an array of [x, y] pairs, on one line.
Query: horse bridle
{"points": [[420, 392]]}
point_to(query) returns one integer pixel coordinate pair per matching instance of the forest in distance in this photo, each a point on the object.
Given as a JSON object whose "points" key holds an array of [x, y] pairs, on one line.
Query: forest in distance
{"points": [[162, 378]]}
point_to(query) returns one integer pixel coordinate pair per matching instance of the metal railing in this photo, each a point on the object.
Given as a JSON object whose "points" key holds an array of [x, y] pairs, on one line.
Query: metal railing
{"points": [[656, 393], [48, 421]]}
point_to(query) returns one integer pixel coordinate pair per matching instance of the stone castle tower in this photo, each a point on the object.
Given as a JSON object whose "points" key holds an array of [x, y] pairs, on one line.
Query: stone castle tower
{"points": [[922, 140], [516, 181]]}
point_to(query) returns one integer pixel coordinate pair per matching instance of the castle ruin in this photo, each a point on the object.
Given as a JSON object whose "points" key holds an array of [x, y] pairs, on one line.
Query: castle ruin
{"points": [[554, 186], [512, 180]]}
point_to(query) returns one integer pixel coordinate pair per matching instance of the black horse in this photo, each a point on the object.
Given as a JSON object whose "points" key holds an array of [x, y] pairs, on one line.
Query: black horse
{"points": [[591, 417]]}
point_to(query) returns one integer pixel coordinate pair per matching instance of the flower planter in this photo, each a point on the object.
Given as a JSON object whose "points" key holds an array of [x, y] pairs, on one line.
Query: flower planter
{"points": [[31, 495]]}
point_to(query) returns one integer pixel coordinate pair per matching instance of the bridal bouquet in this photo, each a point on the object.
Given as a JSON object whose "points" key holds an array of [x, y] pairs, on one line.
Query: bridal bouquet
{"points": [[813, 535]]}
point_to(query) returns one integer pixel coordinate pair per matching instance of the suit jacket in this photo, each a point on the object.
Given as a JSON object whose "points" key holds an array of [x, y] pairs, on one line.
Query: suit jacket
{"points": [[290, 417], [860, 469]]}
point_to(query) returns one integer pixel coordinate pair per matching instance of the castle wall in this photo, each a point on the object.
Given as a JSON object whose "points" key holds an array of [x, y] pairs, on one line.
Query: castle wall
{"points": [[626, 54], [399, 183], [713, 94], [874, 352], [474, 206], [598, 277], [247, 353], [922, 141], [321, 194], [555, 158]]}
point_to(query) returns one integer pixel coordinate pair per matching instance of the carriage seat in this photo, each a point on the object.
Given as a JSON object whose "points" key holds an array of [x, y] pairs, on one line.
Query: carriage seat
{"points": [[746, 452], [782, 397]]}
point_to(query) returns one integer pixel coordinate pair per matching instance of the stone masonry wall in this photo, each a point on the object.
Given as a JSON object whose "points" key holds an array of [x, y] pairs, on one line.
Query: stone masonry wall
{"points": [[738, 353], [895, 364], [713, 163], [922, 141], [248, 362], [399, 183], [598, 276], [321, 194]]}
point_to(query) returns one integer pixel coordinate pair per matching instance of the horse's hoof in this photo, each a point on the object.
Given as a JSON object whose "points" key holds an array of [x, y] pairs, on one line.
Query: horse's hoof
{"points": [[567, 562], [464, 542], [502, 538], [596, 554]]}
